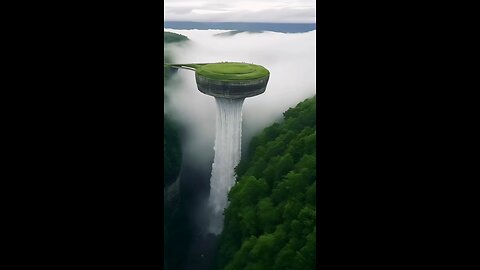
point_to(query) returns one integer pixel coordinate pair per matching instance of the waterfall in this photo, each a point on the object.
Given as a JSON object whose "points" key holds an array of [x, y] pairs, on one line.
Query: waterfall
{"points": [[227, 156]]}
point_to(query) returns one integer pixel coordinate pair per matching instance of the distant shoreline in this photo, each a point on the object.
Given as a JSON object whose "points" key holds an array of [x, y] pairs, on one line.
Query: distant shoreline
{"points": [[243, 26]]}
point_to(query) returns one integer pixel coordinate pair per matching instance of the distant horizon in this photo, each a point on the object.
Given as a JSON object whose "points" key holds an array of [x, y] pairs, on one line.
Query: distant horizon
{"points": [[182, 21], [282, 27]]}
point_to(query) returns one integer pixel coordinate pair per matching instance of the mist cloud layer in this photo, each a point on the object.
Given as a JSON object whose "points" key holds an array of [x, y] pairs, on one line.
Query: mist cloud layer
{"points": [[289, 57]]}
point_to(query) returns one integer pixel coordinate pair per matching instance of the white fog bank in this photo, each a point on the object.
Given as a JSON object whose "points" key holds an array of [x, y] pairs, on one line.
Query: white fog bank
{"points": [[289, 57]]}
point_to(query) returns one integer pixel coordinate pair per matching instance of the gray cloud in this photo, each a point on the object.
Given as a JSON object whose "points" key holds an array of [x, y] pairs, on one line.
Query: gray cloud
{"points": [[179, 10], [292, 11]]}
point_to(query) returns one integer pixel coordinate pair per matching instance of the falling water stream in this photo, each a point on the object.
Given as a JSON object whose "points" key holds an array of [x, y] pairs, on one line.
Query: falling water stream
{"points": [[227, 156]]}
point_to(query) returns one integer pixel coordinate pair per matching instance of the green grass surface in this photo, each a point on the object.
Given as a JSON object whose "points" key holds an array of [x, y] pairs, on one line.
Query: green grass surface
{"points": [[227, 71], [232, 71]]}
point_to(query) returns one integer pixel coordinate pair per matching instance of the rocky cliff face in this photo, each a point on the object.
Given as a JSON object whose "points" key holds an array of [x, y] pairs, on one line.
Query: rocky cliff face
{"points": [[231, 89]]}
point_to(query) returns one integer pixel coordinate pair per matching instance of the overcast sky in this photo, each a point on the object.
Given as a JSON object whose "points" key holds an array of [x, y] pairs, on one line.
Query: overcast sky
{"points": [[284, 11]]}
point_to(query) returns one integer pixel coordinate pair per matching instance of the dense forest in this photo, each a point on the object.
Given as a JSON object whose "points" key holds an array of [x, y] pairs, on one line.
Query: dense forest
{"points": [[270, 222]]}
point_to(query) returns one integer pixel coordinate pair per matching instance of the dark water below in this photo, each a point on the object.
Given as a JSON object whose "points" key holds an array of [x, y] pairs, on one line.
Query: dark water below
{"points": [[199, 248], [201, 253]]}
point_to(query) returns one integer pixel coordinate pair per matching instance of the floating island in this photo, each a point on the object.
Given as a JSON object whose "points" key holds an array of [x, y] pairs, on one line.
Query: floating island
{"points": [[228, 79]]}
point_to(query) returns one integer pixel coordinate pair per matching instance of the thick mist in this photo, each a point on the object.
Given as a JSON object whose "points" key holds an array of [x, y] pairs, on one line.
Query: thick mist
{"points": [[289, 57]]}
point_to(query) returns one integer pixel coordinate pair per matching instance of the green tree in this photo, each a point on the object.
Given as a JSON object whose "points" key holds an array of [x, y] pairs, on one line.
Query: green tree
{"points": [[268, 215]]}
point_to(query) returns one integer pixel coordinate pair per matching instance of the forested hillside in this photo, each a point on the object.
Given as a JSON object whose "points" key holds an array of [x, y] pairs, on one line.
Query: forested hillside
{"points": [[169, 37], [271, 220]]}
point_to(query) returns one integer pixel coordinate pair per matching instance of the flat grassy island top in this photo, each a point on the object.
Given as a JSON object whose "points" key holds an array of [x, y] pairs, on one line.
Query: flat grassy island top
{"points": [[231, 71]]}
